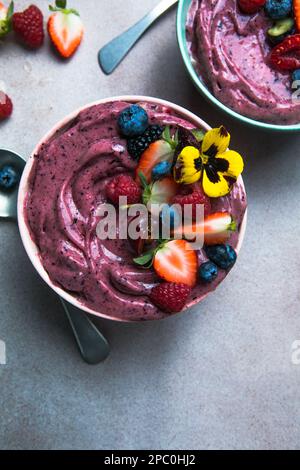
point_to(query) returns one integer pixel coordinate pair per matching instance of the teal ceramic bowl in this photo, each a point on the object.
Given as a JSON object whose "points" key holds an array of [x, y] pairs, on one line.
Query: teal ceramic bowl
{"points": [[183, 8]]}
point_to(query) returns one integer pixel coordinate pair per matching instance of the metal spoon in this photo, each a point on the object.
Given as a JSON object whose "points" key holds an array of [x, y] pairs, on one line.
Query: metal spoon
{"points": [[114, 52], [93, 347]]}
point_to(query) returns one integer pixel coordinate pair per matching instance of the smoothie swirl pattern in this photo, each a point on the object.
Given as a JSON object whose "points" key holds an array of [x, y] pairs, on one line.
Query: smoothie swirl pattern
{"points": [[230, 52], [67, 185]]}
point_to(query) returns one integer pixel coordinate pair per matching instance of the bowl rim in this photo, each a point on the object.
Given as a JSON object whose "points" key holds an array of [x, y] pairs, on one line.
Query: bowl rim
{"points": [[182, 10], [31, 248]]}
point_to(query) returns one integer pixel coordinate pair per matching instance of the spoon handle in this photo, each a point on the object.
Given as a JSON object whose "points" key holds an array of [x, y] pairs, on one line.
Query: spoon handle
{"points": [[92, 345], [114, 52]]}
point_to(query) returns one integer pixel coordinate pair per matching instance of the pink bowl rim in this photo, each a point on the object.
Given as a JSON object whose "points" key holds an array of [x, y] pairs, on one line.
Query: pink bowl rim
{"points": [[29, 245]]}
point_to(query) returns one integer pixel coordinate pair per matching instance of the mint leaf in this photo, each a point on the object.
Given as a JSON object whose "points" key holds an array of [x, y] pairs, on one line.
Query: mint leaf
{"points": [[198, 134], [145, 260]]}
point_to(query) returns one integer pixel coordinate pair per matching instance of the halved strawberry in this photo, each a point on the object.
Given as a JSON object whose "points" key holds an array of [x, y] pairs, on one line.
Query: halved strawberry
{"points": [[157, 152], [159, 192], [65, 29], [216, 228], [280, 57], [176, 262], [296, 7]]}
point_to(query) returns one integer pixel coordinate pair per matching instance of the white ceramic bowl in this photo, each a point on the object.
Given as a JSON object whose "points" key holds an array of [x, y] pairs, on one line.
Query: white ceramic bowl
{"points": [[31, 248]]}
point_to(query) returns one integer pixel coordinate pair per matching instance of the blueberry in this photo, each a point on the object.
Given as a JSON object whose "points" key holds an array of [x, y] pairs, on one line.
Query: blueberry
{"points": [[161, 169], [223, 256], [133, 121], [208, 272], [296, 75], [169, 217], [277, 9], [9, 178]]}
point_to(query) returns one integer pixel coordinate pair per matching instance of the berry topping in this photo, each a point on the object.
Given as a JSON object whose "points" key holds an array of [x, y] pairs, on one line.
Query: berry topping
{"points": [[208, 272], [159, 192], [223, 256], [281, 58], [188, 137], [169, 217], [176, 261], [9, 178], [277, 9], [251, 6], [6, 19], [194, 195], [296, 8], [123, 185], [29, 27], [137, 145], [133, 121], [216, 228], [296, 75], [161, 169], [157, 152], [280, 30], [170, 297], [6, 106], [65, 29]]}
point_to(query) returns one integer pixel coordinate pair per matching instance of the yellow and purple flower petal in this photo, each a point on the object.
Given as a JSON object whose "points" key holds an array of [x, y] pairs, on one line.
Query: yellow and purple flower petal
{"points": [[188, 167], [235, 163], [217, 186], [215, 141]]}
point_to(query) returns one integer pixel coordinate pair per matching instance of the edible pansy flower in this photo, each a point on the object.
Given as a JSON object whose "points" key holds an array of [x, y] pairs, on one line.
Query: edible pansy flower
{"points": [[214, 164]]}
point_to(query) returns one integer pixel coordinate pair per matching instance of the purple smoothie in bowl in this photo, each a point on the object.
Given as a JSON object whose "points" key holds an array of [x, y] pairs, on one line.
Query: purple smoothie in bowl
{"points": [[66, 180], [230, 51]]}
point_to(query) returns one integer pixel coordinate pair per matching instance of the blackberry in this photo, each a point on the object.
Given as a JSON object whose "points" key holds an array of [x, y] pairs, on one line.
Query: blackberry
{"points": [[137, 145]]}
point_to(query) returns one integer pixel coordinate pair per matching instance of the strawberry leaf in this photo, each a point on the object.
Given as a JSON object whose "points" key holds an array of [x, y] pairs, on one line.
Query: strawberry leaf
{"points": [[198, 134], [61, 3], [172, 141], [145, 260]]}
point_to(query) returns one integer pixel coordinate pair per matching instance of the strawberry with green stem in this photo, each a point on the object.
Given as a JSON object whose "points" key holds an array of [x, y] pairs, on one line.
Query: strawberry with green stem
{"points": [[6, 15], [65, 28]]}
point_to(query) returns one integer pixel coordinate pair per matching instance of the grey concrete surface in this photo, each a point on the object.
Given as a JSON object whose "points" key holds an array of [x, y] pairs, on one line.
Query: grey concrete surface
{"points": [[219, 377]]}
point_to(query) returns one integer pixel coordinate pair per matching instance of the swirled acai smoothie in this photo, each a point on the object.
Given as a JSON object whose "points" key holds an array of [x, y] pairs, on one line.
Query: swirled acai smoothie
{"points": [[147, 153], [249, 59]]}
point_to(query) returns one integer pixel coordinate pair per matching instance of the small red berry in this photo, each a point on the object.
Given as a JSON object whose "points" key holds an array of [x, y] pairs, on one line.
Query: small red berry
{"points": [[29, 26], [251, 6], [6, 106], [123, 185], [194, 195], [170, 297]]}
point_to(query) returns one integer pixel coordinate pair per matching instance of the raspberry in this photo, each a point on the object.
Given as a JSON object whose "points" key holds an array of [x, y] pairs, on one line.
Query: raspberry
{"points": [[170, 297], [251, 6], [6, 106], [29, 26], [123, 185], [194, 195], [137, 145]]}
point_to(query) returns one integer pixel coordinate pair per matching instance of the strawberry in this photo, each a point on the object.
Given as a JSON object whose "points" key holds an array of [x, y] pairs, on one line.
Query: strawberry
{"points": [[251, 6], [29, 27], [6, 19], [123, 185], [194, 195], [216, 228], [6, 106], [170, 297], [65, 29], [157, 152], [159, 192], [296, 7], [280, 57], [176, 261]]}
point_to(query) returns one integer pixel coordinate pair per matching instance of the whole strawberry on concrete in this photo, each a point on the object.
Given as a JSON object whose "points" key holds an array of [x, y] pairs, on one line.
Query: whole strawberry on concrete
{"points": [[6, 19], [65, 28], [28, 25]]}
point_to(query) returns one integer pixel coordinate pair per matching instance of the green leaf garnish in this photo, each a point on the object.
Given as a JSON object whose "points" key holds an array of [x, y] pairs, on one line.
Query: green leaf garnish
{"points": [[146, 260], [198, 134], [172, 141], [61, 3]]}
